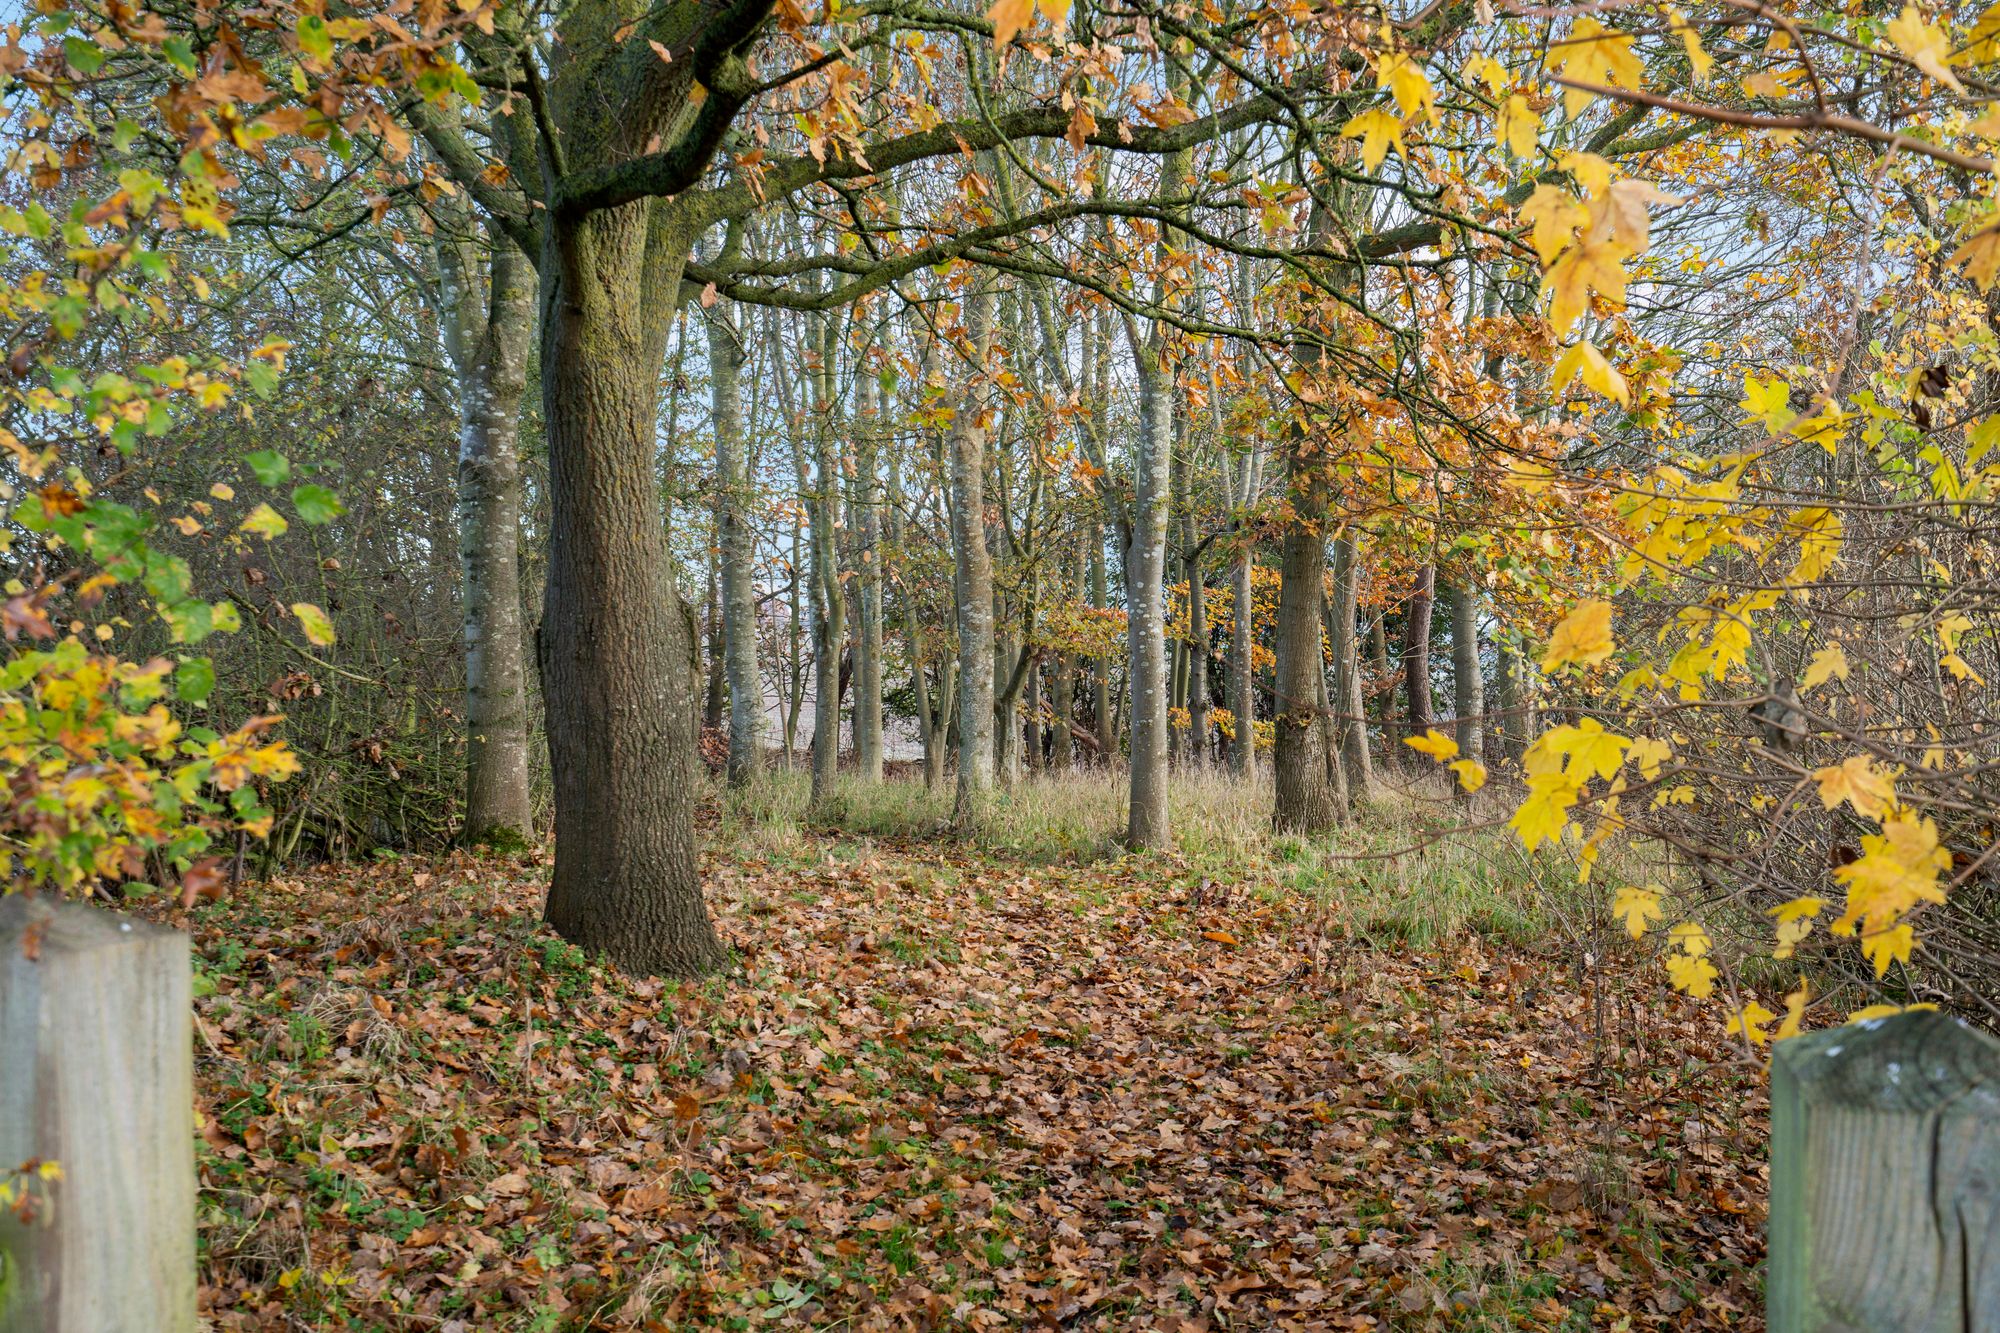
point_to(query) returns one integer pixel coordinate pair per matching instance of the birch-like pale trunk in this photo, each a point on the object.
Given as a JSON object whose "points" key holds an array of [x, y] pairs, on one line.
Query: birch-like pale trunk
{"points": [[1145, 568], [1468, 688], [972, 570], [1351, 714], [868, 417], [489, 323], [738, 546], [1417, 651]]}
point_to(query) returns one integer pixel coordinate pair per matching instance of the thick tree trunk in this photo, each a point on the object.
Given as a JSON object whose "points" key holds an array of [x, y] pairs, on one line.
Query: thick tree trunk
{"points": [[1305, 794], [618, 643], [1145, 566], [1351, 720], [1468, 688], [487, 333], [738, 546], [1417, 651], [972, 574]]}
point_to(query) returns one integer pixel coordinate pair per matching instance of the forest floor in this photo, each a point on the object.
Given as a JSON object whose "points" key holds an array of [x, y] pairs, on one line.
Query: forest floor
{"points": [[947, 1088]]}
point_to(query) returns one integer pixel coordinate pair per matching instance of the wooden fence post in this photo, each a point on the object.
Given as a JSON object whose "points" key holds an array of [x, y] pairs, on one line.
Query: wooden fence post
{"points": [[1885, 1179], [97, 1074]]}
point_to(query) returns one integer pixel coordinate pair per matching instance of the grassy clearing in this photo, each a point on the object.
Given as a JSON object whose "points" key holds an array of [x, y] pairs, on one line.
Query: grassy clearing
{"points": [[1415, 866]]}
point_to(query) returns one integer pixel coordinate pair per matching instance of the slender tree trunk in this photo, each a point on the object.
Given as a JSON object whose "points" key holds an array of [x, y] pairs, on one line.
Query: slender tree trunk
{"points": [[1305, 795], [489, 342], [618, 643], [1031, 730], [1242, 703], [1100, 668], [1417, 652], [1512, 724], [829, 599], [1468, 688], [1351, 722], [715, 696], [1006, 735], [1385, 692], [738, 547], [972, 573], [1147, 827], [868, 573], [1198, 645]]}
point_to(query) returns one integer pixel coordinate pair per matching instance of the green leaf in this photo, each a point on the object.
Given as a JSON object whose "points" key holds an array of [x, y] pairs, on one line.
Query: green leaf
{"points": [[317, 504], [314, 39], [85, 56], [272, 468], [194, 680], [180, 54]]}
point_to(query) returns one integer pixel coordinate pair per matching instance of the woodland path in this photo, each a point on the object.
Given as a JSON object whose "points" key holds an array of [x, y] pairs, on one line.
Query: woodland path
{"points": [[951, 1091]]}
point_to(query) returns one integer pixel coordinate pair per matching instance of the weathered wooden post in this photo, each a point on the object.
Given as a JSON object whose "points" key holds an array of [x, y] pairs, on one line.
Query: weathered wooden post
{"points": [[1885, 1179], [97, 1074]]}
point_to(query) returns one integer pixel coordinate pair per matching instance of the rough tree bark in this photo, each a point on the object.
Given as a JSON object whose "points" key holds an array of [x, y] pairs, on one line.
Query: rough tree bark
{"points": [[489, 321], [1305, 793], [618, 643]]}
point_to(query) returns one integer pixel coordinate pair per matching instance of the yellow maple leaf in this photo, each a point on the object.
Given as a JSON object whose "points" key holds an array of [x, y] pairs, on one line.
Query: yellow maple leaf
{"points": [[1009, 17], [1699, 61], [1485, 69], [1795, 922], [1892, 945], [1648, 754], [1856, 780], [1516, 127], [1960, 668], [1926, 46], [1795, 1010], [1979, 256], [1544, 815], [1829, 663], [1583, 637], [1406, 81], [1752, 1021], [1471, 774], [1691, 975], [1379, 131], [1691, 939], [1586, 267], [1433, 743], [1553, 215], [1636, 906], [1584, 361], [1596, 54]]}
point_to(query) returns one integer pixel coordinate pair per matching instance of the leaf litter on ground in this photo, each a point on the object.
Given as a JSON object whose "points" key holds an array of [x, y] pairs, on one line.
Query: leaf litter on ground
{"points": [[944, 1090]]}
